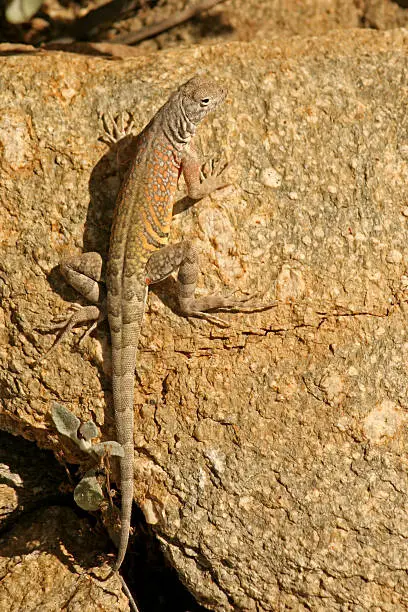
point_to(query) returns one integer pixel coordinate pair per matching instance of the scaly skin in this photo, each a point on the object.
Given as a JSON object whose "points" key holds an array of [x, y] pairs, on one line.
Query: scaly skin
{"points": [[141, 226]]}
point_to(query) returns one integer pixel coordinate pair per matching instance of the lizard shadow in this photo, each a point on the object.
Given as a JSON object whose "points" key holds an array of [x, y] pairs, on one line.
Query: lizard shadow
{"points": [[82, 30]]}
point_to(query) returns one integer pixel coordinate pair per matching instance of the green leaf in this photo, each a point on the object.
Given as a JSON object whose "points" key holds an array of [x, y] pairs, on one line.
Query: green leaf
{"points": [[88, 493], [66, 423], [20, 11]]}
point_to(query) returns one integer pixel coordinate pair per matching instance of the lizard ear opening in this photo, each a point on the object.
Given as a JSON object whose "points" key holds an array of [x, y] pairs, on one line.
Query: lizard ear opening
{"points": [[205, 101]]}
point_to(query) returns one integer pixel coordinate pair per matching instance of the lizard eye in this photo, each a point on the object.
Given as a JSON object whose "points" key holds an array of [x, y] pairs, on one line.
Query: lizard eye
{"points": [[205, 101]]}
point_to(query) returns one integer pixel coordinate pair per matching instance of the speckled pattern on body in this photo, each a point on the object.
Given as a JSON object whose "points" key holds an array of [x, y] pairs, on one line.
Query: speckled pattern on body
{"points": [[141, 227]]}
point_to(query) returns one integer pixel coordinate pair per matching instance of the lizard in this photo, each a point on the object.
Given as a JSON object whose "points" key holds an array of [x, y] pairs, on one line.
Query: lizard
{"points": [[139, 254]]}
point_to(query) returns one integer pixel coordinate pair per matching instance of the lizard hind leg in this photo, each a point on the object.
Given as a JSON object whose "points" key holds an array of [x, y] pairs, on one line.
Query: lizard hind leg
{"points": [[183, 256], [82, 273], [81, 314]]}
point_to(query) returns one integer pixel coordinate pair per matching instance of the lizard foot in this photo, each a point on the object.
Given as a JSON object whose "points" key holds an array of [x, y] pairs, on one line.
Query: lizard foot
{"points": [[201, 307], [115, 128], [81, 314], [213, 174], [247, 304]]}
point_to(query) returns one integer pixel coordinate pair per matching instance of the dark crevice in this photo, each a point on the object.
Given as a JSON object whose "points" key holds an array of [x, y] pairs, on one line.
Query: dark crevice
{"points": [[152, 581]]}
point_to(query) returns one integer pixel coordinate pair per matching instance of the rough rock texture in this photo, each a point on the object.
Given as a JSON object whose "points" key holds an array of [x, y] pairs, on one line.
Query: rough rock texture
{"points": [[44, 549], [235, 20], [45, 564], [270, 457], [248, 20], [27, 477]]}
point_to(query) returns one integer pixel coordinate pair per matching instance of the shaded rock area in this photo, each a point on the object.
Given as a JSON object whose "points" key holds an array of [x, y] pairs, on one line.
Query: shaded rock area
{"points": [[261, 20], [46, 550], [28, 478], [69, 25], [43, 566], [52, 554], [270, 457]]}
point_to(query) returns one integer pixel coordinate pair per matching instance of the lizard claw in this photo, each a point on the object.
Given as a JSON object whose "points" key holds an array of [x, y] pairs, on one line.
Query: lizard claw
{"points": [[61, 321], [214, 168], [211, 319], [248, 304], [81, 314], [115, 128], [245, 304], [213, 175]]}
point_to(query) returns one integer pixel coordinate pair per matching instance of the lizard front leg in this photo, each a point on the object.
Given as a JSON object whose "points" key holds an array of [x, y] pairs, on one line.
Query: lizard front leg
{"points": [[199, 185], [83, 273], [183, 257]]}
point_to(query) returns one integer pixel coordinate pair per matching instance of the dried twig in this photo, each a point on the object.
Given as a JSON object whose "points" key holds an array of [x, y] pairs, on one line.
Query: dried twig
{"points": [[85, 27], [161, 26]]}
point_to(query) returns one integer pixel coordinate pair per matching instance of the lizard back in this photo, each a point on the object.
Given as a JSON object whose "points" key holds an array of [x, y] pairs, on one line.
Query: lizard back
{"points": [[140, 227]]}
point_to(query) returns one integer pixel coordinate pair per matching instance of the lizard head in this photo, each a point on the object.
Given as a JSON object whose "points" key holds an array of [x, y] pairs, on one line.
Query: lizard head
{"points": [[199, 96]]}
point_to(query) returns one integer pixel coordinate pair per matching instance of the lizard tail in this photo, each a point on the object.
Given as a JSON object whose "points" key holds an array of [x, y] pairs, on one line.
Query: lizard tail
{"points": [[126, 479], [124, 349]]}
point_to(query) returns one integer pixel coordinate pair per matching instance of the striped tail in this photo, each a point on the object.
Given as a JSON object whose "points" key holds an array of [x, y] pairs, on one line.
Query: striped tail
{"points": [[125, 320]]}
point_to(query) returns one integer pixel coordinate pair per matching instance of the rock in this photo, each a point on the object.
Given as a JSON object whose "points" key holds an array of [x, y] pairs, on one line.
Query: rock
{"points": [[269, 456], [28, 477], [251, 20], [47, 562], [45, 548]]}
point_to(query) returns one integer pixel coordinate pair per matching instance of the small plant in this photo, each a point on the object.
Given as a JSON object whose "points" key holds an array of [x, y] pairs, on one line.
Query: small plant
{"points": [[88, 493]]}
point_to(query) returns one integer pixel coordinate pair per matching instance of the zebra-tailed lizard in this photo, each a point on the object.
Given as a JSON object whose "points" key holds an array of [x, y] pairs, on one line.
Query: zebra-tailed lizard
{"points": [[138, 256]]}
